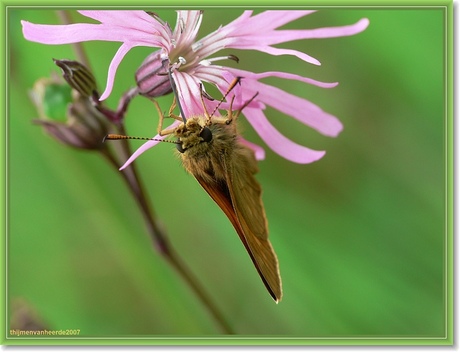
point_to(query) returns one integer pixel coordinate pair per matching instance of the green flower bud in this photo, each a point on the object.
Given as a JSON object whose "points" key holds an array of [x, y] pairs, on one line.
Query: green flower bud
{"points": [[67, 115]]}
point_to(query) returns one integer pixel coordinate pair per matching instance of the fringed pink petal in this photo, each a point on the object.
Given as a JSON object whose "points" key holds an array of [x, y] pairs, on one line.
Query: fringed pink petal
{"points": [[122, 51], [279, 143]]}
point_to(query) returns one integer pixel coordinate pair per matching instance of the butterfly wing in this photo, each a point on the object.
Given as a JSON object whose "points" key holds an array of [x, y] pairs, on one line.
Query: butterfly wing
{"points": [[221, 195], [239, 196], [246, 195]]}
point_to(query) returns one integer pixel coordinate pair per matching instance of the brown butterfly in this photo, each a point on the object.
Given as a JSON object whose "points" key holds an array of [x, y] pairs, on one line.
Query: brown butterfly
{"points": [[210, 150]]}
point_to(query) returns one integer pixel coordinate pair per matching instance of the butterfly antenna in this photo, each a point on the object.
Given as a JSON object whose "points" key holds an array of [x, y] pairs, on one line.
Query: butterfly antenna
{"points": [[112, 137], [236, 81]]}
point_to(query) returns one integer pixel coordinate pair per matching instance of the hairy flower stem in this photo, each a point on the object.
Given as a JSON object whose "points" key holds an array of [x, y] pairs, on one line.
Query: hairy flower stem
{"points": [[133, 182]]}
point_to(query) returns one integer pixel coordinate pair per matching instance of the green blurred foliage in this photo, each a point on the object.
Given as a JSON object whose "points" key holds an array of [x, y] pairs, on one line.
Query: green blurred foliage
{"points": [[360, 234]]}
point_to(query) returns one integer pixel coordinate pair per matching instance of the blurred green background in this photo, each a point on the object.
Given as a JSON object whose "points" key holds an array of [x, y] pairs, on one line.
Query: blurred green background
{"points": [[360, 234]]}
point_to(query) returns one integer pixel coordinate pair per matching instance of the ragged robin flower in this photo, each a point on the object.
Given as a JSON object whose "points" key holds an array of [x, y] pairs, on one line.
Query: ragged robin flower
{"points": [[195, 62]]}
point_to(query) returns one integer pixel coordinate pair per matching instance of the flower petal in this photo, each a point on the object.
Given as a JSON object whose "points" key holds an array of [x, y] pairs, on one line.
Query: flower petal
{"points": [[277, 52], [299, 108], [124, 48], [134, 26], [188, 88], [66, 34], [211, 74], [284, 36], [334, 32], [81, 32], [246, 32], [274, 19], [187, 26], [121, 17], [259, 152], [257, 76], [279, 143]]}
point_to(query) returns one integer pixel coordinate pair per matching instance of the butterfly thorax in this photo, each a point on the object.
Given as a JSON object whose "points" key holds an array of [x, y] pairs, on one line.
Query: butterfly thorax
{"points": [[205, 149]]}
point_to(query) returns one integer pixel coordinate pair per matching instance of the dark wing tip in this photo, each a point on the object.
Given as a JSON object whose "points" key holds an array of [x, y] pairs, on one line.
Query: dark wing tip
{"points": [[275, 295]]}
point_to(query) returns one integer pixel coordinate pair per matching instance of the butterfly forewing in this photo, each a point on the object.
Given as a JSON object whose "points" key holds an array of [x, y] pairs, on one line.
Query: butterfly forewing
{"points": [[246, 195], [239, 196], [260, 251]]}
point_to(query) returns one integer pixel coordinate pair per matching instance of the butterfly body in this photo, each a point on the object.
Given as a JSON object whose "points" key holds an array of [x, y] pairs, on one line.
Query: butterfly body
{"points": [[211, 151], [225, 168]]}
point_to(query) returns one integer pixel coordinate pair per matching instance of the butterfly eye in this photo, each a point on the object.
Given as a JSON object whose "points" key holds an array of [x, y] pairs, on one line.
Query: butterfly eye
{"points": [[179, 147], [206, 134]]}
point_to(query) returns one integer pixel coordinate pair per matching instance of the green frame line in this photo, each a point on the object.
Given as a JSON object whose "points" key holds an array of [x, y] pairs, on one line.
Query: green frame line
{"points": [[246, 340]]}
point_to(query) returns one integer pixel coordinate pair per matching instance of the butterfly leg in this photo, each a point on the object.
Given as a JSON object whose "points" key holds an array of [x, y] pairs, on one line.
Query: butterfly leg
{"points": [[160, 130]]}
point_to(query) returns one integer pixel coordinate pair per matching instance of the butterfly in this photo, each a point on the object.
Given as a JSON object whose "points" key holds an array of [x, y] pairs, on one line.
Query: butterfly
{"points": [[210, 150]]}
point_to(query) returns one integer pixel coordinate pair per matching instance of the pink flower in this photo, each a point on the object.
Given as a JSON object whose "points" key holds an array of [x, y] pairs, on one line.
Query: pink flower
{"points": [[195, 64]]}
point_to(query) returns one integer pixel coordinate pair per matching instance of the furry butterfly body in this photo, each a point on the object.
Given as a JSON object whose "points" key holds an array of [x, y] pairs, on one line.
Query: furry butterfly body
{"points": [[211, 151], [225, 168]]}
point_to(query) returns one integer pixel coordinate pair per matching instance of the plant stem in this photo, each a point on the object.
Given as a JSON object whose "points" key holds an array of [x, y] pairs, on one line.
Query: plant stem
{"points": [[133, 182]]}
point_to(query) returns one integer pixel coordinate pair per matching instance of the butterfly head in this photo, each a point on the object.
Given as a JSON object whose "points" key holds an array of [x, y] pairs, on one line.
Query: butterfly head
{"points": [[192, 133]]}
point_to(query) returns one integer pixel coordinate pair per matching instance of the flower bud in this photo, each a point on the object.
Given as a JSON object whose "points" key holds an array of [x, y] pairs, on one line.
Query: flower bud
{"points": [[78, 77], [152, 77], [67, 115]]}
